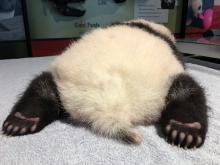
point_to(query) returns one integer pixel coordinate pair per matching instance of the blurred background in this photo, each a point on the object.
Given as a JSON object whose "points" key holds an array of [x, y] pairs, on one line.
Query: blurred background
{"points": [[46, 27]]}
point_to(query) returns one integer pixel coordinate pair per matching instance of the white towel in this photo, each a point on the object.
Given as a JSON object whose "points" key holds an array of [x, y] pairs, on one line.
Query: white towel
{"points": [[63, 144]]}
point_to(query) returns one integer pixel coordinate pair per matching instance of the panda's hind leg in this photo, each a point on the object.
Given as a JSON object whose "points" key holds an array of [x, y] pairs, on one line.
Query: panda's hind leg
{"points": [[38, 106], [184, 119]]}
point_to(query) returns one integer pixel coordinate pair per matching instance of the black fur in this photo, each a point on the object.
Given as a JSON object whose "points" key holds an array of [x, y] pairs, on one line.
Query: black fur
{"points": [[119, 1], [64, 9], [185, 102], [185, 106], [150, 30], [41, 100], [165, 4]]}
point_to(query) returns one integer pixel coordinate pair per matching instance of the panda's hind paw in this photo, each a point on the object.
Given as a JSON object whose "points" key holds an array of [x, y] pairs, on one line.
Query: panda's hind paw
{"points": [[17, 124], [185, 135]]}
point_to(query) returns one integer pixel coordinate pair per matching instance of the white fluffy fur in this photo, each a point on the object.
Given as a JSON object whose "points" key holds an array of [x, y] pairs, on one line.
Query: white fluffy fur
{"points": [[116, 77]]}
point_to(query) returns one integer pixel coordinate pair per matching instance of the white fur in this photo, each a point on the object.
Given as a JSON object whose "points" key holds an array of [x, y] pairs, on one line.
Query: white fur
{"points": [[195, 4], [116, 77]]}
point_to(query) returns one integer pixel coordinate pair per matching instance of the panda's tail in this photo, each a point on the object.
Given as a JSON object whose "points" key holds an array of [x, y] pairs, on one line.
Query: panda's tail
{"points": [[115, 128]]}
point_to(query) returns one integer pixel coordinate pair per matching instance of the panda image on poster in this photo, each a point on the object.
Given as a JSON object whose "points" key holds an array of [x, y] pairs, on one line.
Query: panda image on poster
{"points": [[168, 4], [200, 14], [63, 7], [114, 79], [194, 12]]}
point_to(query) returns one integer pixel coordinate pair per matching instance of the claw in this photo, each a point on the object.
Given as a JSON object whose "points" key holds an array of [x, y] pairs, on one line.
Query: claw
{"points": [[33, 128], [168, 128], [9, 128], [15, 129], [174, 134], [5, 124], [199, 141], [189, 140], [181, 137], [23, 130]]}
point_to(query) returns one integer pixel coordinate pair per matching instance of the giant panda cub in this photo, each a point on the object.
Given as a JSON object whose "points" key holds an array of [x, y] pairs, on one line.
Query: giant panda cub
{"points": [[114, 79]]}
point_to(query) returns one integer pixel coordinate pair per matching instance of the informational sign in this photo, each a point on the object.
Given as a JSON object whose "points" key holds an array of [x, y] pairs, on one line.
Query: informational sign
{"points": [[74, 19], [150, 10], [49, 19]]}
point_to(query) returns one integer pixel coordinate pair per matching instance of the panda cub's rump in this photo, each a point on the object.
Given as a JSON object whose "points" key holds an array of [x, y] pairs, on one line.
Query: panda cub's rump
{"points": [[113, 79]]}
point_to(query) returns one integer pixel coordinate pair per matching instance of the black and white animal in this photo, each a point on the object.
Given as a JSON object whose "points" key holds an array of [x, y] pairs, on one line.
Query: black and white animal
{"points": [[63, 7], [168, 4], [113, 79], [195, 8]]}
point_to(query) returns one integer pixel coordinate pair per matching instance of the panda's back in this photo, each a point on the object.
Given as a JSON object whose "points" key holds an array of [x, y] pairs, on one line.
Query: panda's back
{"points": [[116, 70]]}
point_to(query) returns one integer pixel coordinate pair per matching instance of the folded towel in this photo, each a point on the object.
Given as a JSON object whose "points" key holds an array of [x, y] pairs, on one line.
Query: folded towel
{"points": [[63, 144]]}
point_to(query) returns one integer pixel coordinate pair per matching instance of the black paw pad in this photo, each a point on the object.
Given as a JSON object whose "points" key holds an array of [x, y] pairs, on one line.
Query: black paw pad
{"points": [[17, 124], [186, 135]]}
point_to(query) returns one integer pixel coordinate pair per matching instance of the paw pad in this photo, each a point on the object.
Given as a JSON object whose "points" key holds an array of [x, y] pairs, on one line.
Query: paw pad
{"points": [[18, 124], [186, 135]]}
